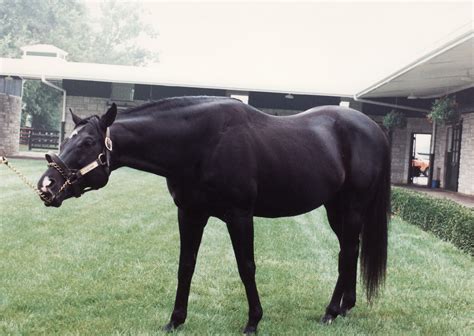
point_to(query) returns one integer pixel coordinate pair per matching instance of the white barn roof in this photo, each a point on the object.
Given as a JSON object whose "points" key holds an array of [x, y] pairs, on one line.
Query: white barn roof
{"points": [[447, 69], [51, 68]]}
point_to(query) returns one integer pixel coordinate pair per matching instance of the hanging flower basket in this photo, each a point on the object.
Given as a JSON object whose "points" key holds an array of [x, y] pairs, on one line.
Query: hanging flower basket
{"points": [[444, 111], [394, 119]]}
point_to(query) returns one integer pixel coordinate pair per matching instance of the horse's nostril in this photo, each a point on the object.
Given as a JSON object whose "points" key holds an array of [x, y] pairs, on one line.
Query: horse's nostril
{"points": [[52, 182]]}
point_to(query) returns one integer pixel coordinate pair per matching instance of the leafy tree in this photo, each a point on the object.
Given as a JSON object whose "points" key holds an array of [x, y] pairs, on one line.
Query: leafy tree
{"points": [[68, 25], [115, 40], [41, 103], [62, 23]]}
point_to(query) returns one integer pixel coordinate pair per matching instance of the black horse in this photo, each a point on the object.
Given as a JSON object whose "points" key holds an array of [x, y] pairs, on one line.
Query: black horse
{"points": [[226, 159]]}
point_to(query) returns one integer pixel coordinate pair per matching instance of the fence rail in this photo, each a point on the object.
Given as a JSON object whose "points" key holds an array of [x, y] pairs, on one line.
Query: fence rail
{"points": [[25, 135], [35, 138]]}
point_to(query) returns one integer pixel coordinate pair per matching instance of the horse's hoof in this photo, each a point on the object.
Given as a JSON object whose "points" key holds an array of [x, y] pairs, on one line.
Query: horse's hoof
{"points": [[170, 327], [328, 319], [250, 330], [344, 312]]}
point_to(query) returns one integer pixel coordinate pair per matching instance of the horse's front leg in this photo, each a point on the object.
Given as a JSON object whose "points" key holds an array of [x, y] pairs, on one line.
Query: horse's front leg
{"points": [[191, 227], [241, 233]]}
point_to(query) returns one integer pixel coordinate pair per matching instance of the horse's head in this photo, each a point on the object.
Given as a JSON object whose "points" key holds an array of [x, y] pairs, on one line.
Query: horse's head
{"points": [[83, 163]]}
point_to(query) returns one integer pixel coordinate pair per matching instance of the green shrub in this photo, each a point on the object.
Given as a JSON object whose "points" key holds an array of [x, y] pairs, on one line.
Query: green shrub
{"points": [[444, 110], [446, 219]]}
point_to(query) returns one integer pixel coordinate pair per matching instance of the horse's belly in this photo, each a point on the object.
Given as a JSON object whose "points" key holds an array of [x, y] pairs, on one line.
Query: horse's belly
{"points": [[290, 200], [284, 210]]}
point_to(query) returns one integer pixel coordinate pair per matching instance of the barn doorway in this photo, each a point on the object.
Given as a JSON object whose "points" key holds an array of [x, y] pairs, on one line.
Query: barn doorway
{"points": [[419, 165]]}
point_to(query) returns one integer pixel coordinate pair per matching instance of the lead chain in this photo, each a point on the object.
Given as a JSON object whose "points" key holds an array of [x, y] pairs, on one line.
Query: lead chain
{"points": [[4, 161]]}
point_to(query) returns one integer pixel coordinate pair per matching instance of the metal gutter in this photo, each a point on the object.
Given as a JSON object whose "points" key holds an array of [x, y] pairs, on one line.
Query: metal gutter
{"points": [[63, 117]]}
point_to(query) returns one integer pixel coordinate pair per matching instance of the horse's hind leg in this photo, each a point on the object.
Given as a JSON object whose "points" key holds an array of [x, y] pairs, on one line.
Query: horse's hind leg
{"points": [[347, 224], [241, 234]]}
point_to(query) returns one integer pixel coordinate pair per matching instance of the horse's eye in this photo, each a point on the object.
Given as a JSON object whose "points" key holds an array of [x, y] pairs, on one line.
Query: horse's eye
{"points": [[88, 142]]}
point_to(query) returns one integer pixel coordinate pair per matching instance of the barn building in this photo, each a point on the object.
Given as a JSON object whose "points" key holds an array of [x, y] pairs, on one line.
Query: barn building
{"points": [[447, 71]]}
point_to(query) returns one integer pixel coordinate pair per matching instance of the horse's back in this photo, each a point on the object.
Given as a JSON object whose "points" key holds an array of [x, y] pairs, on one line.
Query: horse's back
{"points": [[305, 159]]}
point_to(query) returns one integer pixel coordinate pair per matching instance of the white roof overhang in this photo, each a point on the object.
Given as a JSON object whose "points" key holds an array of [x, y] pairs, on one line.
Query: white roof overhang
{"points": [[56, 69], [447, 69]]}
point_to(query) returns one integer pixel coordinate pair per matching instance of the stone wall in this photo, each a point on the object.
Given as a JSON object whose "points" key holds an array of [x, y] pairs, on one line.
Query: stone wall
{"points": [[10, 111], [83, 107], [88, 106], [466, 168]]}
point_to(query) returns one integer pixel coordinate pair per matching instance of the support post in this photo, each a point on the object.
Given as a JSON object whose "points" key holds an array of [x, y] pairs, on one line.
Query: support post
{"points": [[432, 154]]}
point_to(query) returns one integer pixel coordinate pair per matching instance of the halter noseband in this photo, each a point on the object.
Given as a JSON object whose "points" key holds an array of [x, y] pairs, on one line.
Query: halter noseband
{"points": [[73, 176]]}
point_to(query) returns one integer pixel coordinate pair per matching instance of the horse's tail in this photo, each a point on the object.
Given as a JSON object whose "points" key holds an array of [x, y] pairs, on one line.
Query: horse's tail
{"points": [[375, 232]]}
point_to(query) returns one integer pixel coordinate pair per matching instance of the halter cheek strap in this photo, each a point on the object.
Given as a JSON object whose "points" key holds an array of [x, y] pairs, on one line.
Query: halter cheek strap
{"points": [[108, 148]]}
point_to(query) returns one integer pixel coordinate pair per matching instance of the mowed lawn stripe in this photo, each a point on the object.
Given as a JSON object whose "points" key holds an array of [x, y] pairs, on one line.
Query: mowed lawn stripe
{"points": [[106, 263]]}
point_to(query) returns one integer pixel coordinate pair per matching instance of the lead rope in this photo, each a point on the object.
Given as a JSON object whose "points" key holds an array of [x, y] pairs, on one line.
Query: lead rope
{"points": [[45, 199]]}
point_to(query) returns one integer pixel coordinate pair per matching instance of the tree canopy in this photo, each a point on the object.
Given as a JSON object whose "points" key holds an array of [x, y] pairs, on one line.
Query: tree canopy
{"points": [[68, 25]]}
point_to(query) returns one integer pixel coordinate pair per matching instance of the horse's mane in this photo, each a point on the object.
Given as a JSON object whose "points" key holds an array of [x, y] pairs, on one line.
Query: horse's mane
{"points": [[171, 103]]}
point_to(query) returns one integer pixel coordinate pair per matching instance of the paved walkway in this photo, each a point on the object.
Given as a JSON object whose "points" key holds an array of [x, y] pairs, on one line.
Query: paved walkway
{"points": [[466, 200], [28, 155]]}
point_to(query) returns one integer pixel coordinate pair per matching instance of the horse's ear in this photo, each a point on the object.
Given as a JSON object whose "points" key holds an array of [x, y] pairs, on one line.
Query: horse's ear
{"points": [[75, 118], [108, 118]]}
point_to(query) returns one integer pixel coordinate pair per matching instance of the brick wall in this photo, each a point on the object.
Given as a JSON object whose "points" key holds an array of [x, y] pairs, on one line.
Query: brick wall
{"points": [[466, 168], [10, 111]]}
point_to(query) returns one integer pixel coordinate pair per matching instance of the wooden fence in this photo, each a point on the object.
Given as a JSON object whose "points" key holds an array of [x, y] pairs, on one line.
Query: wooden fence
{"points": [[35, 138]]}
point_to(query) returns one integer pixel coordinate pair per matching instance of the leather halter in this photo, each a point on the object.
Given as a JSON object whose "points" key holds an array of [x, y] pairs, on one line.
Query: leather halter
{"points": [[74, 176]]}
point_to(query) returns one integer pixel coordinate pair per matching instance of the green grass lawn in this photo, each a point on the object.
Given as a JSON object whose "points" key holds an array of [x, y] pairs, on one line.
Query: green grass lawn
{"points": [[106, 264]]}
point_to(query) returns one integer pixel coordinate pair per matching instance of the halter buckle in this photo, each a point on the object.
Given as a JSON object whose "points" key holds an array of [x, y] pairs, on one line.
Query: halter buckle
{"points": [[101, 159], [108, 144]]}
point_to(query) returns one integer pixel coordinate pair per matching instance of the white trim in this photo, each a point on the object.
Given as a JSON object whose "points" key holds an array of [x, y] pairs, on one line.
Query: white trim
{"points": [[448, 92]]}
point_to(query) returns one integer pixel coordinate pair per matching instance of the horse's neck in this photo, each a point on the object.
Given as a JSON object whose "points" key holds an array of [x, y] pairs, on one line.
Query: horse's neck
{"points": [[149, 144]]}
